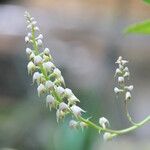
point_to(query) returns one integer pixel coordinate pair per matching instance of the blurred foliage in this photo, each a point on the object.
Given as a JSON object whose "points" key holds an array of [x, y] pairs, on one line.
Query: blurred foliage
{"points": [[140, 28], [147, 1]]}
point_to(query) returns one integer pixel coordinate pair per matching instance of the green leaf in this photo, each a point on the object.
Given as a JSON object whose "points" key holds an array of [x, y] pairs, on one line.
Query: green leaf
{"points": [[147, 1], [140, 28]]}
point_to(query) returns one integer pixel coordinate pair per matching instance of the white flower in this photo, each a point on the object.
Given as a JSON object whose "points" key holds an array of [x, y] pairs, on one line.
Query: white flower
{"points": [[60, 90], [124, 62], [34, 22], [103, 122], [50, 100], [68, 92], [119, 60], [39, 42], [83, 125], [118, 71], [28, 51], [49, 85], [59, 114], [73, 99], [32, 55], [116, 90], [128, 96], [126, 69], [127, 74], [37, 60], [27, 39], [76, 110], [46, 51], [31, 67], [120, 80], [130, 88], [57, 72], [73, 124], [107, 136], [36, 76], [41, 89], [29, 26], [63, 106], [48, 66]]}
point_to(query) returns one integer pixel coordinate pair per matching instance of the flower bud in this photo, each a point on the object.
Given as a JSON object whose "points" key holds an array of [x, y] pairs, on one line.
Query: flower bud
{"points": [[39, 42], [36, 29], [128, 95], [73, 124], [107, 136], [37, 60], [29, 35], [76, 110], [27, 39], [32, 55], [40, 36], [126, 69], [103, 122], [31, 67], [46, 51], [121, 80], [117, 91], [41, 89], [28, 51], [118, 72]]}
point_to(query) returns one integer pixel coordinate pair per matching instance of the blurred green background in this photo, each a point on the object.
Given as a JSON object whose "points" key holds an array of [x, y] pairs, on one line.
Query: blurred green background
{"points": [[85, 38]]}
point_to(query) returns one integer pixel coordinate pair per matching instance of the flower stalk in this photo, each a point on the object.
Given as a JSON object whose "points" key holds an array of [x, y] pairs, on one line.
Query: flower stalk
{"points": [[51, 83]]}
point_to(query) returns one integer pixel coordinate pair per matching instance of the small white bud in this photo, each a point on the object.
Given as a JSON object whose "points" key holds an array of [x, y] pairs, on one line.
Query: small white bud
{"points": [[107, 136], [36, 29], [29, 26], [126, 69], [28, 51], [37, 60], [40, 36], [119, 60], [128, 95], [41, 89], [103, 122], [116, 90], [77, 110], [130, 88], [34, 22], [31, 67], [120, 80], [63, 106], [39, 42], [48, 66], [57, 72], [27, 39], [124, 62], [29, 35], [46, 51], [73, 124], [49, 85], [60, 90]]}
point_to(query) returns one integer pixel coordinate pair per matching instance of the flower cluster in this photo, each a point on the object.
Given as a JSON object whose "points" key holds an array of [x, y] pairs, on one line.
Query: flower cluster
{"points": [[48, 77], [122, 72]]}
